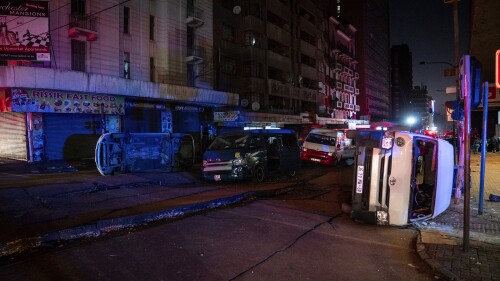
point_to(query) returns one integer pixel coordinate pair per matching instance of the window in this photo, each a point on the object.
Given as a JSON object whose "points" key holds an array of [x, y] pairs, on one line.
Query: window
{"points": [[126, 65], [78, 51], [252, 39], [227, 33], [228, 65], [252, 69], [78, 7], [126, 20], [151, 27], [152, 69]]}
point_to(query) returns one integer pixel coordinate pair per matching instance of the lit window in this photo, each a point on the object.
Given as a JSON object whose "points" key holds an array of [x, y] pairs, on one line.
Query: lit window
{"points": [[126, 65]]}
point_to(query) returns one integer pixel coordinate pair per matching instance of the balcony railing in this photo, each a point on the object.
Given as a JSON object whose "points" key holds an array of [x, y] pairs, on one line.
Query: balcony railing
{"points": [[86, 22], [194, 17], [195, 54]]}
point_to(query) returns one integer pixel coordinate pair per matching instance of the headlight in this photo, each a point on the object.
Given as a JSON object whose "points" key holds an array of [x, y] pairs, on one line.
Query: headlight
{"points": [[330, 153], [239, 162], [382, 217], [304, 149], [205, 163]]}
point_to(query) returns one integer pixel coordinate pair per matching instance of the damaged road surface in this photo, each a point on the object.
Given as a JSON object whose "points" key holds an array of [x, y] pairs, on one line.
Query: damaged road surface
{"points": [[299, 236]]}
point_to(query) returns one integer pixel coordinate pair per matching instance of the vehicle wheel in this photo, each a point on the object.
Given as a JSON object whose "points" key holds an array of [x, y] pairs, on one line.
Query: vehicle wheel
{"points": [[259, 174], [292, 173]]}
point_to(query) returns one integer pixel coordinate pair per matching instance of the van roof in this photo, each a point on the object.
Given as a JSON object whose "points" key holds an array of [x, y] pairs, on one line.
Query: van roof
{"points": [[262, 131], [324, 130]]}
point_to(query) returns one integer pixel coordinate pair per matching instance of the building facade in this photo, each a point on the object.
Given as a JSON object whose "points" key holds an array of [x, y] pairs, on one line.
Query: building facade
{"points": [[286, 59], [371, 18], [73, 69], [401, 81], [484, 41], [419, 107]]}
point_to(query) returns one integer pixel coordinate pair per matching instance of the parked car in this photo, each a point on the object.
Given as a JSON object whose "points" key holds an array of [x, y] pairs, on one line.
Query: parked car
{"points": [[251, 154]]}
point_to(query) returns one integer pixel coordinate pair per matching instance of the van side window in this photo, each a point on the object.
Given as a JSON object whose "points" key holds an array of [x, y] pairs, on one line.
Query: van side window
{"points": [[255, 142]]}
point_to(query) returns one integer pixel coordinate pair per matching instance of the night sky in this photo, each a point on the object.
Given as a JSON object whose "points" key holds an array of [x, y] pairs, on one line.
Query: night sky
{"points": [[426, 26]]}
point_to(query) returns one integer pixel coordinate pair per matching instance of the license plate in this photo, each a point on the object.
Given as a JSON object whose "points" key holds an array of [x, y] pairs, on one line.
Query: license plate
{"points": [[217, 177], [359, 179], [315, 160]]}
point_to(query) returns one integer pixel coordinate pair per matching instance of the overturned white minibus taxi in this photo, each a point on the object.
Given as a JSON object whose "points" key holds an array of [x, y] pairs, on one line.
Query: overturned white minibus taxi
{"points": [[400, 177]]}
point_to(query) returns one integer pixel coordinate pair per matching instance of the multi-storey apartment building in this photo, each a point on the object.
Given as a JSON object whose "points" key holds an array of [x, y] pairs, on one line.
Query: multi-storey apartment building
{"points": [[341, 73], [285, 58], [401, 80], [419, 106], [72, 69], [371, 18]]}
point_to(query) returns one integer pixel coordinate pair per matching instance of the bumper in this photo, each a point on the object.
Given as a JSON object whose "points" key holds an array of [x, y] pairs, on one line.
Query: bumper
{"points": [[317, 158], [235, 174], [377, 217]]}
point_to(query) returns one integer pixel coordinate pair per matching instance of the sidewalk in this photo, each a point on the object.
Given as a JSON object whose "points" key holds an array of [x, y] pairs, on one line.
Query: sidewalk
{"points": [[441, 240]]}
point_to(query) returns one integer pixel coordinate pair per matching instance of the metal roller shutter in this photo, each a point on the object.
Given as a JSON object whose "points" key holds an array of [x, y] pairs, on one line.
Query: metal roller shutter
{"points": [[13, 135], [70, 136]]}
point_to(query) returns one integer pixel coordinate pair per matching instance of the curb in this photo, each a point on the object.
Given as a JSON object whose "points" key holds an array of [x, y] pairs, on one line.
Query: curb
{"points": [[422, 252], [107, 226]]}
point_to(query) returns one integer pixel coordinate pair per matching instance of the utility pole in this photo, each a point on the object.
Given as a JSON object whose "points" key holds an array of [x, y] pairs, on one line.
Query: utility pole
{"points": [[463, 129]]}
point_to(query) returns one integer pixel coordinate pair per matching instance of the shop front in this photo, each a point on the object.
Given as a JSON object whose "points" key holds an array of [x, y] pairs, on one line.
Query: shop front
{"points": [[40, 125]]}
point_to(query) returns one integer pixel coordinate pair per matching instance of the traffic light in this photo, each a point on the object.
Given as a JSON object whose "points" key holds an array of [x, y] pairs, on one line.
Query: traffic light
{"points": [[470, 77]]}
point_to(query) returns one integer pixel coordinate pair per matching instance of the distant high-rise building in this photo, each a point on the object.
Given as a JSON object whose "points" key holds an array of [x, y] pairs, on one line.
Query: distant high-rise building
{"points": [[419, 106], [371, 18], [401, 81]]}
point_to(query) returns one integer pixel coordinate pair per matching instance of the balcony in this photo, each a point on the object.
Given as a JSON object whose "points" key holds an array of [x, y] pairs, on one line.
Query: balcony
{"points": [[348, 88], [356, 75], [347, 71], [338, 67], [83, 26], [194, 17], [195, 55]]}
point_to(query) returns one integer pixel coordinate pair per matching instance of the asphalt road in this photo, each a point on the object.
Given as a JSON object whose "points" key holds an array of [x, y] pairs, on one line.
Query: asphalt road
{"points": [[299, 236]]}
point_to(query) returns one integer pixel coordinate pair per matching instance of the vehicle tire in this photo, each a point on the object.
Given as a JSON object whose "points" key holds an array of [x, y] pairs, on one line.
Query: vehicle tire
{"points": [[259, 174], [292, 173]]}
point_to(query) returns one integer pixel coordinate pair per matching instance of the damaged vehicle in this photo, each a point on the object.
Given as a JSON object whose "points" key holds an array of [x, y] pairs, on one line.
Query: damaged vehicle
{"points": [[400, 177], [144, 152], [251, 154]]}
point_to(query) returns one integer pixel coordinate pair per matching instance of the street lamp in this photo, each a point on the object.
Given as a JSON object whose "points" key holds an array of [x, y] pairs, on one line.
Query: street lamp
{"points": [[410, 121]]}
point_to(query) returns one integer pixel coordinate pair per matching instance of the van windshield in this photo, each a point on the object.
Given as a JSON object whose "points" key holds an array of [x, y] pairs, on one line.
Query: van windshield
{"points": [[322, 139], [229, 142]]}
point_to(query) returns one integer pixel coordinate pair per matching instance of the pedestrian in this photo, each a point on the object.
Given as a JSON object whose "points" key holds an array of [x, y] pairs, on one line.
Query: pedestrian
{"points": [[477, 145]]}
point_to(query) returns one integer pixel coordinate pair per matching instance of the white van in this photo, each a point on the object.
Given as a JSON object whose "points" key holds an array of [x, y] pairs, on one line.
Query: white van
{"points": [[325, 146], [400, 177]]}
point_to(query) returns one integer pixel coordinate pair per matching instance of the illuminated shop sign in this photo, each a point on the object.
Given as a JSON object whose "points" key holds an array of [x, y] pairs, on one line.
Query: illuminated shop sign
{"points": [[65, 102]]}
